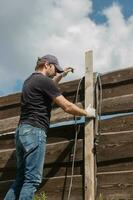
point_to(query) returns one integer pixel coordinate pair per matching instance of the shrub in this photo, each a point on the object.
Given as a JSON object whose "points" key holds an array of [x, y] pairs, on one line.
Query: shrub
{"points": [[41, 196]]}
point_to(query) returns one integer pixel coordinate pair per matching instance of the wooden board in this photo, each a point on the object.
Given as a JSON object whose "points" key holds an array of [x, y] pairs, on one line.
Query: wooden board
{"points": [[50, 170], [55, 188], [122, 104], [118, 104], [89, 173], [116, 165], [57, 134], [116, 185], [117, 89], [115, 146], [117, 76], [116, 124], [55, 152]]}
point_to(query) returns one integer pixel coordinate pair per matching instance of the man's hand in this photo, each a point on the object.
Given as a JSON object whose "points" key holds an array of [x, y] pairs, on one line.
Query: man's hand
{"points": [[59, 76], [91, 112], [67, 70]]}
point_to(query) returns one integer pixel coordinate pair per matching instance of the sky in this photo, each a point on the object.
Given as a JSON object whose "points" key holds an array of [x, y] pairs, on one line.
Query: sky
{"points": [[66, 29]]}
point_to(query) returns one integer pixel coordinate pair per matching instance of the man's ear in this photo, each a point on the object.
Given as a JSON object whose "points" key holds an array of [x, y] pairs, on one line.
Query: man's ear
{"points": [[45, 64]]}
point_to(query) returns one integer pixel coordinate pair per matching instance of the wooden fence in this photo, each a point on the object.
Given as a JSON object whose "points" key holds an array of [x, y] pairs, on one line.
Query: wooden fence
{"points": [[114, 152]]}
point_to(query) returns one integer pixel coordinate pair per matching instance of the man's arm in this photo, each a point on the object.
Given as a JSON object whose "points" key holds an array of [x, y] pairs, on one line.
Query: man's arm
{"points": [[59, 76], [71, 108]]}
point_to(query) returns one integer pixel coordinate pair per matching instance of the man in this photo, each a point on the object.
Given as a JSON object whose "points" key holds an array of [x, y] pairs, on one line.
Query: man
{"points": [[39, 91]]}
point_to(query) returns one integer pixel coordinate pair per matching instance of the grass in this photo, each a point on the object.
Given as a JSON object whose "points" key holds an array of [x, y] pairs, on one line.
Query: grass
{"points": [[41, 196], [100, 197]]}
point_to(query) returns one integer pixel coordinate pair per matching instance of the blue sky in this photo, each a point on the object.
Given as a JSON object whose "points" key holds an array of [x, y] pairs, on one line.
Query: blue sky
{"points": [[66, 29], [99, 5]]}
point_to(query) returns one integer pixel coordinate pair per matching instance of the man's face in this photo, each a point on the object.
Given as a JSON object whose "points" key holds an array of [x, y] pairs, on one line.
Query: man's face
{"points": [[51, 70]]}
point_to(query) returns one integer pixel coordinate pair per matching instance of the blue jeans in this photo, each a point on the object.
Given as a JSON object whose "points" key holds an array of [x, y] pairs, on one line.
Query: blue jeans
{"points": [[30, 154]]}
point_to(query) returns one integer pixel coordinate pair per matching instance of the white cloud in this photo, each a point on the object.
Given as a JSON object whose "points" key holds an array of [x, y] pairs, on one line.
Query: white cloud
{"points": [[33, 28]]}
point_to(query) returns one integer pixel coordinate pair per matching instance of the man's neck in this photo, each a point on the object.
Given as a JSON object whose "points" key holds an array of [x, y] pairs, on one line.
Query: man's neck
{"points": [[42, 72]]}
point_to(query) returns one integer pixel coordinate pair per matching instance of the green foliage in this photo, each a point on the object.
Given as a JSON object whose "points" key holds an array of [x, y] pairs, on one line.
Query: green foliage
{"points": [[41, 196], [100, 197]]}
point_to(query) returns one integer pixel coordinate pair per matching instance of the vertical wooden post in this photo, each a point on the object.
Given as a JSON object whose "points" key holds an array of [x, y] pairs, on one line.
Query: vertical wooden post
{"points": [[89, 135]]}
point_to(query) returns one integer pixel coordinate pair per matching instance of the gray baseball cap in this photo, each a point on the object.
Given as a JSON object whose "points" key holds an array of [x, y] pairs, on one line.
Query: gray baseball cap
{"points": [[52, 60]]}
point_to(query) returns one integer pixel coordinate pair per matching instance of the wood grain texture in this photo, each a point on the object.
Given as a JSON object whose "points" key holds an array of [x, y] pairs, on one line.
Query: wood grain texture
{"points": [[118, 123], [115, 146], [113, 105], [118, 76], [119, 104], [118, 185], [55, 153], [56, 134], [89, 176], [115, 124], [117, 89], [55, 188]]}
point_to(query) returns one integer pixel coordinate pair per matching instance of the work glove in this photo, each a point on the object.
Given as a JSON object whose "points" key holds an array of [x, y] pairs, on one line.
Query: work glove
{"points": [[67, 70], [91, 112]]}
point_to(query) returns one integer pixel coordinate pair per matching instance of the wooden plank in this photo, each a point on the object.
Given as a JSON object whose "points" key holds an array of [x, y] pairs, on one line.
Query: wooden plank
{"points": [[122, 104], [115, 124], [118, 104], [12, 99], [58, 115], [89, 135], [110, 143], [117, 89], [50, 170], [55, 188], [116, 165], [57, 134], [14, 110], [9, 124], [11, 111], [117, 76], [67, 88], [118, 123], [114, 185], [55, 152]]}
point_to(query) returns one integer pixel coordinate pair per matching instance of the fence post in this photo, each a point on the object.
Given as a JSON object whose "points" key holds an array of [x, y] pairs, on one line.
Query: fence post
{"points": [[89, 135]]}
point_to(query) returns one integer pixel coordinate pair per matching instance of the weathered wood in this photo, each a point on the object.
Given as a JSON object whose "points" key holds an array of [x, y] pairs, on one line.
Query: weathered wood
{"points": [[12, 99], [57, 134], [117, 89], [9, 124], [55, 152], [118, 79], [10, 111], [113, 146], [118, 104], [116, 184], [50, 170], [55, 188], [66, 88], [116, 165], [58, 115], [122, 104], [115, 124], [117, 76], [89, 177]]}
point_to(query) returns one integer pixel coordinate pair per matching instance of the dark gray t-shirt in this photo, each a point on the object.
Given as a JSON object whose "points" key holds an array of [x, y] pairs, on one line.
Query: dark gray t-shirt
{"points": [[36, 99]]}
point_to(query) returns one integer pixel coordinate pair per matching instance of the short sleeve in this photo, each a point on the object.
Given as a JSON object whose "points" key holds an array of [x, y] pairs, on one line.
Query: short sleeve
{"points": [[50, 88]]}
